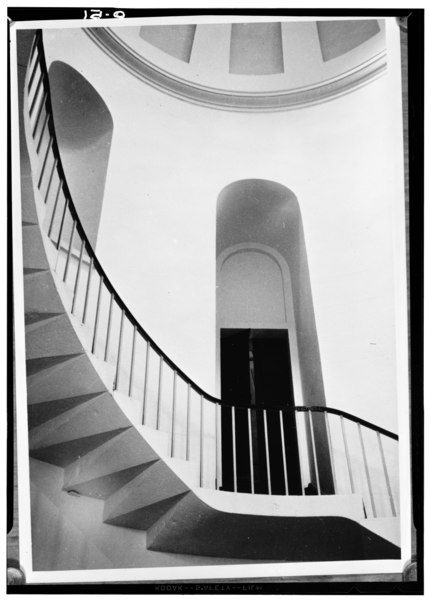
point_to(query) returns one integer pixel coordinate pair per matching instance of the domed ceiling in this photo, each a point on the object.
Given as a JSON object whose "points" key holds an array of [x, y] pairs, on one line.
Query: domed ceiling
{"points": [[251, 66]]}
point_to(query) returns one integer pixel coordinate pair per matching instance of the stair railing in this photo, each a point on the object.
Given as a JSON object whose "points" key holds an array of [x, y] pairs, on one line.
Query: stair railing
{"points": [[266, 450]]}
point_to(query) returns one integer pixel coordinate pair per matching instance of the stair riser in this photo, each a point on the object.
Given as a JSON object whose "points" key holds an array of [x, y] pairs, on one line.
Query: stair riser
{"points": [[93, 417], [74, 378], [126, 451], [54, 337], [157, 483]]}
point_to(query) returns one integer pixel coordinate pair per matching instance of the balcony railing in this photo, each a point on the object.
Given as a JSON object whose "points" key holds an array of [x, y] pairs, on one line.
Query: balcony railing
{"points": [[265, 450]]}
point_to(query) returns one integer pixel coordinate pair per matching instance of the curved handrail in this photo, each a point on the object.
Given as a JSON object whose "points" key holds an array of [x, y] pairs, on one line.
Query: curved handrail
{"points": [[261, 407], [91, 252]]}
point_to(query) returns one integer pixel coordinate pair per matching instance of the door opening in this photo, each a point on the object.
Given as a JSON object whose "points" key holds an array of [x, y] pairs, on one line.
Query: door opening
{"points": [[255, 374]]}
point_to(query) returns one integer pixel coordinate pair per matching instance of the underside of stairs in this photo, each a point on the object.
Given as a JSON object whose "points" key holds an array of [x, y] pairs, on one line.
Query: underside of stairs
{"points": [[81, 435]]}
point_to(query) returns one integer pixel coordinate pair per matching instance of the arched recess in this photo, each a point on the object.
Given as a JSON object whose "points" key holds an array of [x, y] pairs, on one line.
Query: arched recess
{"points": [[254, 291], [84, 129], [257, 218]]}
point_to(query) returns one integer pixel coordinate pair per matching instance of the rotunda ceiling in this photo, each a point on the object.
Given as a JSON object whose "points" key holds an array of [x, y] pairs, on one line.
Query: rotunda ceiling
{"points": [[251, 66]]}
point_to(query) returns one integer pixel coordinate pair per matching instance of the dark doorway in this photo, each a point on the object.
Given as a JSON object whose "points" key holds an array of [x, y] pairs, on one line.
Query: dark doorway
{"points": [[256, 373]]}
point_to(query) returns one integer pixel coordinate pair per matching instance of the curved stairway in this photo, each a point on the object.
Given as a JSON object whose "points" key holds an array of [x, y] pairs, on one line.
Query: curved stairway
{"points": [[79, 424]]}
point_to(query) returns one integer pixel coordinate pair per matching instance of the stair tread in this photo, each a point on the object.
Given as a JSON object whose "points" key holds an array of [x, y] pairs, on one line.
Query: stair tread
{"points": [[52, 336], [144, 518], [105, 485], [28, 271], [126, 450], [46, 411], [92, 417], [63, 454], [155, 484], [68, 379], [35, 319], [38, 365]]}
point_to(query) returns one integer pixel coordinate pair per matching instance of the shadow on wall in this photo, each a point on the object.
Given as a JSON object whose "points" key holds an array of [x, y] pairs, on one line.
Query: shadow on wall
{"points": [[84, 129]]}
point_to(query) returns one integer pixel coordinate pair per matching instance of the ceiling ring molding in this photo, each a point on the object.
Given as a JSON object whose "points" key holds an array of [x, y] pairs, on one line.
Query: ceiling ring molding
{"points": [[123, 55]]}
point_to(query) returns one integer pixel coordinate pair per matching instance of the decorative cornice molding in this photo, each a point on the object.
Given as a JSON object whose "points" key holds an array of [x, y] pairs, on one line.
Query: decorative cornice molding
{"points": [[235, 101]]}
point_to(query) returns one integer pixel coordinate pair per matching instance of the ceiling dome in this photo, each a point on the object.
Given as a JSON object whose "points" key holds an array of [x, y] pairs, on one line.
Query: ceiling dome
{"points": [[251, 66]]}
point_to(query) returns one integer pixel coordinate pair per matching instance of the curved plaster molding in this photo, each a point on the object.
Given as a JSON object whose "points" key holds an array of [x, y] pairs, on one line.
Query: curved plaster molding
{"points": [[221, 99]]}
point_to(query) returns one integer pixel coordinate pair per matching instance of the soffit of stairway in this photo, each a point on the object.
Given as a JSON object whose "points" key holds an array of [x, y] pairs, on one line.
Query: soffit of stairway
{"points": [[250, 66]]}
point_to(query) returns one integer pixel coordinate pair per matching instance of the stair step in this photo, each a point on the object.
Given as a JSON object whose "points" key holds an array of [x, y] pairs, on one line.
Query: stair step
{"points": [[69, 379], [53, 337], [38, 365], [40, 295], [125, 451], [28, 208], [34, 255], [46, 411], [95, 416], [65, 453], [35, 320], [104, 486], [28, 271], [142, 501]]}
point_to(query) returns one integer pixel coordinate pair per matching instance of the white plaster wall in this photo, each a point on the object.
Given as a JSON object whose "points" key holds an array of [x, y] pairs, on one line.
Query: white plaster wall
{"points": [[169, 161]]}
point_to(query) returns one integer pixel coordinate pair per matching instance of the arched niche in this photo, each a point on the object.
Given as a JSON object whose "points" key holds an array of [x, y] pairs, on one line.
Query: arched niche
{"points": [[263, 287], [257, 211], [84, 129]]}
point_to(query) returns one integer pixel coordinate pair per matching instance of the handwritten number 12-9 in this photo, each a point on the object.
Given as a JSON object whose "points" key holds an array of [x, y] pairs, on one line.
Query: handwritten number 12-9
{"points": [[98, 14]]}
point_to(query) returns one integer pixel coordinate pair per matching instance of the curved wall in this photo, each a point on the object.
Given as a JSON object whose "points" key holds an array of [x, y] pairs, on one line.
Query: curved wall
{"points": [[170, 159], [84, 129]]}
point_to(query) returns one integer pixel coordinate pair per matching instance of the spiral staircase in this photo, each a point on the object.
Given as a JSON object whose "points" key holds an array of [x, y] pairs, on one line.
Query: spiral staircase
{"points": [[155, 486]]}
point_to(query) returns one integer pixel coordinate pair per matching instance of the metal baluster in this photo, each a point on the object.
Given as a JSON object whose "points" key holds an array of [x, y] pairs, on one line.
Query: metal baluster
{"points": [[313, 444], [252, 475], [386, 475], [367, 471], [36, 93], [97, 314], [173, 415], [267, 451], [45, 122], [76, 283], [234, 455], [45, 160], [158, 411], [331, 452], [216, 447], [109, 322], [88, 286], [219, 446], [146, 379], [118, 358], [133, 347], [69, 251], [188, 417], [39, 114], [282, 436], [301, 470], [48, 189], [347, 456], [201, 441], [54, 210], [60, 233]]}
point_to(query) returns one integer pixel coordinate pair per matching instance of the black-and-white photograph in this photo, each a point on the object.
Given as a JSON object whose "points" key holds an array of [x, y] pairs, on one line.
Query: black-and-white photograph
{"points": [[210, 297]]}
